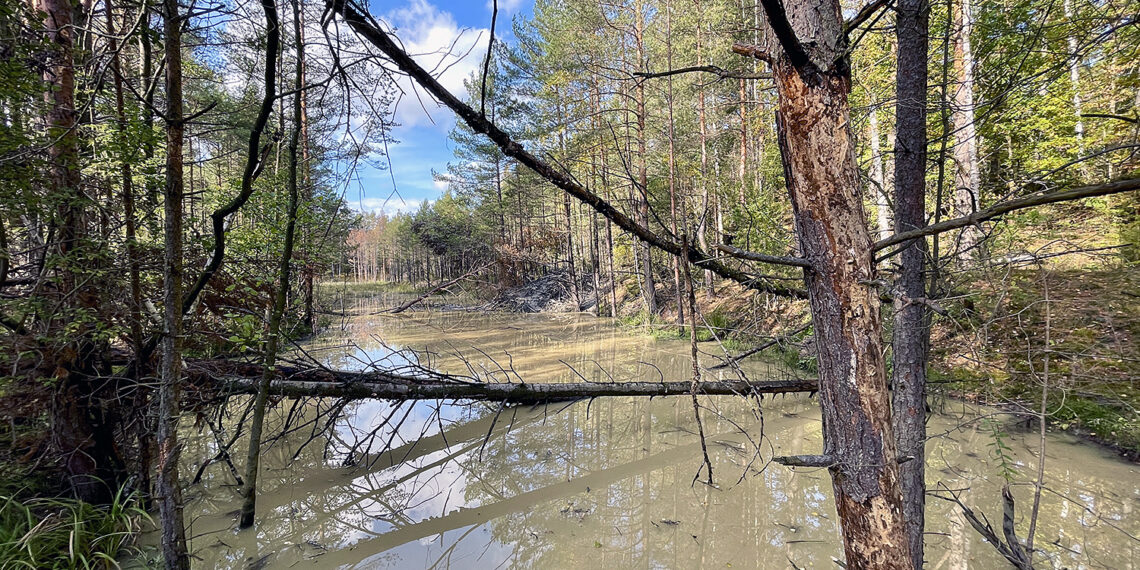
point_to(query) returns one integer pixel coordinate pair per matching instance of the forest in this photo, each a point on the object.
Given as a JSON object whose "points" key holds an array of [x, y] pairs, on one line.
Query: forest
{"points": [[902, 205]]}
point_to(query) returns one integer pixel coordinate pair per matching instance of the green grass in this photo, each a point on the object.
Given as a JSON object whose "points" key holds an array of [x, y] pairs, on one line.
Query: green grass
{"points": [[366, 287], [65, 533]]}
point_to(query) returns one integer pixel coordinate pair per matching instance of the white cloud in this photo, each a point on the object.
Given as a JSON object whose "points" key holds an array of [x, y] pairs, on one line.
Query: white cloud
{"points": [[441, 46], [440, 185], [390, 205]]}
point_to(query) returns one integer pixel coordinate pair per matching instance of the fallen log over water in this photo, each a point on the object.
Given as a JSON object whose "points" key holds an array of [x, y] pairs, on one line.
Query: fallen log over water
{"points": [[295, 383], [433, 290], [515, 393]]}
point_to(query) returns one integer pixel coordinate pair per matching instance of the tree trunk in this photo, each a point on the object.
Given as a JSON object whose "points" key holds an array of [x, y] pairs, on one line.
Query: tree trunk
{"points": [[249, 491], [678, 260], [823, 179], [1075, 77], [742, 162], [168, 491], [910, 343], [878, 178], [309, 269], [967, 178], [75, 415], [703, 224], [144, 433], [648, 287]]}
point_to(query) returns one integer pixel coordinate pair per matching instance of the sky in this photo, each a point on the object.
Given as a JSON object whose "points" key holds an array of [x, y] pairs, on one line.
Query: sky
{"points": [[428, 29]]}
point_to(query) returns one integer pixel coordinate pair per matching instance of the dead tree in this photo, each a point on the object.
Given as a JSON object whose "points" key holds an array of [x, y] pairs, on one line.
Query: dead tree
{"points": [[813, 81]]}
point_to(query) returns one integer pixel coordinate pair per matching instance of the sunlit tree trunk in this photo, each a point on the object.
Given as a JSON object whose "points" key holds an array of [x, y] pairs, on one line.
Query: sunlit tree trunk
{"points": [[648, 286], [674, 220], [702, 227], [742, 162], [967, 177], [1075, 76], [822, 176], [570, 264], [878, 178]]}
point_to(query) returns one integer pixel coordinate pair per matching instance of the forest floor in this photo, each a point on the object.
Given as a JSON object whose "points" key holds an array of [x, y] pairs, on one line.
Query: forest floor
{"points": [[997, 354]]}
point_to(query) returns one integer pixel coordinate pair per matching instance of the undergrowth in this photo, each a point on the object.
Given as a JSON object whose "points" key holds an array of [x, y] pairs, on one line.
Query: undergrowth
{"points": [[37, 532], [40, 530]]}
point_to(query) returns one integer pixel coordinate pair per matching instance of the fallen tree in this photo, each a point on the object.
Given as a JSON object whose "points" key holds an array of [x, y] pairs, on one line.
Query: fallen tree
{"points": [[513, 392], [433, 290], [295, 382]]}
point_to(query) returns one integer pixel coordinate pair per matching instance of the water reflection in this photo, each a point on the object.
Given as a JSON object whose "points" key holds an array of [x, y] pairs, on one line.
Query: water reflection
{"points": [[609, 481]]}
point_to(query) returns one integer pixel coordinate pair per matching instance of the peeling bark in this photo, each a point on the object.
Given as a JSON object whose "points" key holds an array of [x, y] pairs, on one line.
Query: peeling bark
{"points": [[822, 176]]}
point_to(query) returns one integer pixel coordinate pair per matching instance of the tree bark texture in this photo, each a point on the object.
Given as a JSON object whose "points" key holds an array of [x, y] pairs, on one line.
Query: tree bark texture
{"points": [[822, 176], [910, 343], [168, 491]]}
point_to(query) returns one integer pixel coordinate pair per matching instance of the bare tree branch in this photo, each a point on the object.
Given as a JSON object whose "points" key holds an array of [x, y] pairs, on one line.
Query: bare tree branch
{"points": [[363, 25], [865, 14], [765, 258], [713, 69], [1124, 118], [1126, 185]]}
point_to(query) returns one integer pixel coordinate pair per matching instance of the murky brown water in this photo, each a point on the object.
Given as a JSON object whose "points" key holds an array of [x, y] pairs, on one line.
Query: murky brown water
{"points": [[607, 483]]}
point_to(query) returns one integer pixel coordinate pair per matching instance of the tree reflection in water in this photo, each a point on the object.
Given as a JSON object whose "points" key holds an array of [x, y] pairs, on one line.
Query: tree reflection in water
{"points": [[607, 482]]}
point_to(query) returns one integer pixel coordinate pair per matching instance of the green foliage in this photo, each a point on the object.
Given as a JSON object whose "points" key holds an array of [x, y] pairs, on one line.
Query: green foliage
{"points": [[65, 533], [1000, 450]]}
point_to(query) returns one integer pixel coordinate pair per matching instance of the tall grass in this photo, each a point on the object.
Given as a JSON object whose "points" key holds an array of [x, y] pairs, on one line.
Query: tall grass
{"points": [[65, 533]]}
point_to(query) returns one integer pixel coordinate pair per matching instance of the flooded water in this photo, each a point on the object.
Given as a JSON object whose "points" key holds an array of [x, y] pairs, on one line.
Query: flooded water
{"points": [[608, 483]]}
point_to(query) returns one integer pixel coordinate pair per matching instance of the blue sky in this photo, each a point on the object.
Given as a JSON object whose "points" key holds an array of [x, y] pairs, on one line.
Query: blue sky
{"points": [[428, 28]]}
